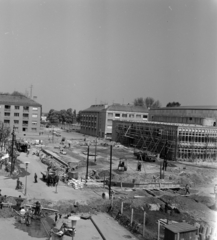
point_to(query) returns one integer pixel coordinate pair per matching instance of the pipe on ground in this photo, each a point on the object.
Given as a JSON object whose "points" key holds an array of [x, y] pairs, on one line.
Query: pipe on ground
{"points": [[97, 228]]}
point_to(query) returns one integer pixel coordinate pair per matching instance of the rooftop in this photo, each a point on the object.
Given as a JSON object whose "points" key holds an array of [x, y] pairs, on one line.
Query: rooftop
{"points": [[127, 108], [116, 107], [187, 108], [180, 227], [7, 99], [95, 108], [166, 123]]}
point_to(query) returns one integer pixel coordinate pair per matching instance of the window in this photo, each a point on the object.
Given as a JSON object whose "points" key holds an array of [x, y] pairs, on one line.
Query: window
{"points": [[6, 121], [16, 121], [110, 114], [117, 115], [16, 114], [34, 129], [34, 115], [35, 109], [8, 107], [124, 115], [34, 123], [17, 107], [138, 116], [26, 108], [7, 114], [109, 122], [131, 115], [190, 118], [25, 122], [146, 116], [25, 115]]}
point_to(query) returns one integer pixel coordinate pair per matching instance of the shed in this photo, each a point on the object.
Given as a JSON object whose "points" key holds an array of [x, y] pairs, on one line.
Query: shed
{"points": [[180, 231]]}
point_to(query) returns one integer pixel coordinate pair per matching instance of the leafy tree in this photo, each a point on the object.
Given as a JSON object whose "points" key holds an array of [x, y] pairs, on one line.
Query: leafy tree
{"points": [[4, 134], [173, 104], [62, 116], [78, 118], [139, 102]]}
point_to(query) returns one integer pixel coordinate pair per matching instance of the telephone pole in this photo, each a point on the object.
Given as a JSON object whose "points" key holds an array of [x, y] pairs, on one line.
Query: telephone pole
{"points": [[12, 151]]}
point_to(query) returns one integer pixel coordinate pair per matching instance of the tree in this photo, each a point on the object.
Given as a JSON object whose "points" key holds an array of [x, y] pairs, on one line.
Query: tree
{"points": [[78, 118], [139, 102], [173, 104], [62, 116], [4, 134]]}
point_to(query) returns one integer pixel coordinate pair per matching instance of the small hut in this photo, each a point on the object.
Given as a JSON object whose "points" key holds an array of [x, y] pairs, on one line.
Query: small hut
{"points": [[180, 231]]}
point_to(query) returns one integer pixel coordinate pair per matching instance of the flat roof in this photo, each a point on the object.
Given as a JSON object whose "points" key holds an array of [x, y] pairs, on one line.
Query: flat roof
{"points": [[126, 108], [180, 227], [17, 100], [187, 108], [166, 123]]}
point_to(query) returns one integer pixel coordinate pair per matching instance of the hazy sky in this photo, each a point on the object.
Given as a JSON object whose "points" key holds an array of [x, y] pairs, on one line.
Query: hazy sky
{"points": [[80, 52]]}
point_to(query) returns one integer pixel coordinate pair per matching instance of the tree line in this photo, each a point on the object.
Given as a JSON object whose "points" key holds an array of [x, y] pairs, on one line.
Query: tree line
{"points": [[62, 116], [150, 102]]}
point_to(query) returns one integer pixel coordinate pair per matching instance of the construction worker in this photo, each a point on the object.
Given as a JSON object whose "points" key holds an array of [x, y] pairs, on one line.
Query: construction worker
{"points": [[187, 189], [35, 177], [18, 184], [139, 166]]}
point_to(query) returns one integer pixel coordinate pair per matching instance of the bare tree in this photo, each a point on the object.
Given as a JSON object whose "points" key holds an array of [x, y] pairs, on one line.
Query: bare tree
{"points": [[151, 103]]}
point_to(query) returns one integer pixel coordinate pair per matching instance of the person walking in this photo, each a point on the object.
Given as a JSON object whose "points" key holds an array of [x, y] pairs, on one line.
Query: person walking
{"points": [[35, 176], [56, 217], [187, 189]]}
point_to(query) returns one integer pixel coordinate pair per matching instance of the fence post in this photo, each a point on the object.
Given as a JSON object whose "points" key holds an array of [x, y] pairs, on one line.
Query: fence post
{"points": [[131, 217], [122, 207], [143, 230]]}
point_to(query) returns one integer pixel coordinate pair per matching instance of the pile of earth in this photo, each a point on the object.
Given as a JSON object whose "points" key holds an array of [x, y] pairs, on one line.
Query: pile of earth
{"points": [[197, 210], [206, 200]]}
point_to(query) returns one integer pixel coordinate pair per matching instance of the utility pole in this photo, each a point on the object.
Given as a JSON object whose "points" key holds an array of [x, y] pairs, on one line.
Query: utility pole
{"points": [[87, 162], [110, 195], [95, 148], [12, 151]]}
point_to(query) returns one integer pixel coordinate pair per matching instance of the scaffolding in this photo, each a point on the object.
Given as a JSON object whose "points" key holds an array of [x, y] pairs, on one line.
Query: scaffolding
{"points": [[183, 142], [155, 139]]}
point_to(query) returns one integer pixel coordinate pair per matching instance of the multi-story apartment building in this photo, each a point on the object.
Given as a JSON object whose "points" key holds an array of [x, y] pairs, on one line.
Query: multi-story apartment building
{"points": [[97, 120], [20, 112]]}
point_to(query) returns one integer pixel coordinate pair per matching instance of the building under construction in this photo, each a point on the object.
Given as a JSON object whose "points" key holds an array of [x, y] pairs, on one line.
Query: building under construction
{"points": [[185, 142]]}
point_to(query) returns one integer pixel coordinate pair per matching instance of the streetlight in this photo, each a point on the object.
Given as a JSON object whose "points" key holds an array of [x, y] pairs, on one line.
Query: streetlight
{"points": [[88, 149], [26, 178], [95, 148]]}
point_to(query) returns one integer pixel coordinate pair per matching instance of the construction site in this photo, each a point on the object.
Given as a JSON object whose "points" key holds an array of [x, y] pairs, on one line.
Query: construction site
{"points": [[182, 142], [101, 180]]}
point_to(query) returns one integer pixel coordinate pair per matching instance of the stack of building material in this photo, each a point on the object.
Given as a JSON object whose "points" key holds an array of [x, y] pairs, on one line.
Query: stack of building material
{"points": [[76, 184]]}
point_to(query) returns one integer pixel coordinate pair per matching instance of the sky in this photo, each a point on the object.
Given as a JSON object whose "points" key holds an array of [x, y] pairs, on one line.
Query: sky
{"points": [[76, 53]]}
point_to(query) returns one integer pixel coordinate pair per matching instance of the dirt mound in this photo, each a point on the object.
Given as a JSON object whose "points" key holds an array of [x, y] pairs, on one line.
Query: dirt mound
{"points": [[208, 201]]}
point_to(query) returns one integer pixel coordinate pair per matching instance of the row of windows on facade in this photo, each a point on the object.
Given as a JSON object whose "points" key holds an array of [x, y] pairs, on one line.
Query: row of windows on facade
{"points": [[117, 115], [88, 128], [8, 107], [24, 129], [7, 114], [17, 122], [125, 115]]}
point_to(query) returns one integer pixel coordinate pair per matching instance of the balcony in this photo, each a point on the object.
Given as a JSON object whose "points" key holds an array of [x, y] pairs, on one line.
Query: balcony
{"points": [[26, 110], [7, 109], [25, 125]]}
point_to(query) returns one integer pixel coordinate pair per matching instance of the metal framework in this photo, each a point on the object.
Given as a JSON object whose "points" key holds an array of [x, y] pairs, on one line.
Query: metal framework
{"points": [[183, 141]]}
